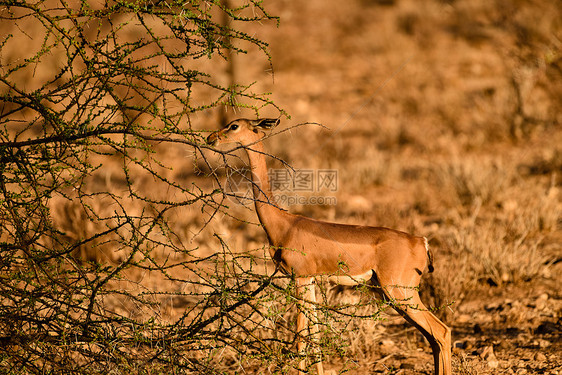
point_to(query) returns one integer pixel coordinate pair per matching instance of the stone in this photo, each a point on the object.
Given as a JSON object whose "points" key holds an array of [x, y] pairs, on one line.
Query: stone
{"points": [[492, 306], [487, 354], [548, 328], [485, 351], [459, 344], [387, 347], [541, 343], [540, 302]]}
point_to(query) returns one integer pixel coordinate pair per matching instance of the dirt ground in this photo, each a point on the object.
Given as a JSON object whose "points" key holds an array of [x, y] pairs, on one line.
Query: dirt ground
{"points": [[513, 331]]}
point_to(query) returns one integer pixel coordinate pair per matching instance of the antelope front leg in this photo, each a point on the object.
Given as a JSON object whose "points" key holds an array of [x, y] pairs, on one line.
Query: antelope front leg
{"points": [[306, 291]]}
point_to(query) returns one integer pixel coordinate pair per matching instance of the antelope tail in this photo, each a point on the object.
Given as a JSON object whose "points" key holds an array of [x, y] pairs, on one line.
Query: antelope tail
{"points": [[430, 267]]}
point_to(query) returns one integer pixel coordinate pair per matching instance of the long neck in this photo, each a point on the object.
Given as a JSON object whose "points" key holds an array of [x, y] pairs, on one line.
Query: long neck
{"points": [[269, 215]]}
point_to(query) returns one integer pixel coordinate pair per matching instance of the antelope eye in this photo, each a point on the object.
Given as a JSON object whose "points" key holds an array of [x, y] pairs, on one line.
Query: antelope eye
{"points": [[233, 126]]}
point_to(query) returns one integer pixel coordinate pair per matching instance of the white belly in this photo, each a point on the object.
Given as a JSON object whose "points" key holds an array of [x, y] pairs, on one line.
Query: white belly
{"points": [[351, 280]]}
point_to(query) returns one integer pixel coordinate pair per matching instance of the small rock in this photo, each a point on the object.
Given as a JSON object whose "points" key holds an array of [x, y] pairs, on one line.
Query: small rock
{"points": [[543, 296], [540, 302], [505, 277], [464, 318], [459, 344], [379, 367], [521, 371], [540, 343], [544, 343], [492, 306], [504, 345], [387, 347], [487, 354], [548, 327], [516, 303], [540, 357]]}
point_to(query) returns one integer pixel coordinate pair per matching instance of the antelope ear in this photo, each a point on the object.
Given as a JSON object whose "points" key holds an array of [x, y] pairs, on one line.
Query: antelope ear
{"points": [[265, 123]]}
